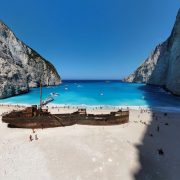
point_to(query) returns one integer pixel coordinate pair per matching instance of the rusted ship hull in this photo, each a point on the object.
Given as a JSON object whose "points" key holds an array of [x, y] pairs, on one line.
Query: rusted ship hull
{"points": [[37, 122], [47, 120]]}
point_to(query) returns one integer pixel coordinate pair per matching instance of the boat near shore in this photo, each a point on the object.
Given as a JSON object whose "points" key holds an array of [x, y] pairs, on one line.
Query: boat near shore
{"points": [[54, 94], [34, 118], [47, 100]]}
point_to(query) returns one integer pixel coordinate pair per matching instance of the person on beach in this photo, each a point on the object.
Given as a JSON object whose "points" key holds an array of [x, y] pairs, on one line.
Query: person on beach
{"points": [[158, 128], [30, 138], [36, 138], [33, 130]]}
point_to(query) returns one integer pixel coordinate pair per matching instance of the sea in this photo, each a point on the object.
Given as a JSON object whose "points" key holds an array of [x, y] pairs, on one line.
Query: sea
{"points": [[99, 93]]}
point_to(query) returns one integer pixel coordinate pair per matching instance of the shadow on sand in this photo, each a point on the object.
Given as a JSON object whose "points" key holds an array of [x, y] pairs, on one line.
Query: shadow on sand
{"points": [[159, 153]]}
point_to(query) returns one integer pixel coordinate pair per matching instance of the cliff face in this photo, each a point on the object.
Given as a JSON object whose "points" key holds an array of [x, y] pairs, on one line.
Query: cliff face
{"points": [[21, 67], [162, 67]]}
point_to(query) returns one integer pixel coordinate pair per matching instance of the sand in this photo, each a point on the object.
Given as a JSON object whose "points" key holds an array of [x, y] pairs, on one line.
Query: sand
{"points": [[79, 152]]}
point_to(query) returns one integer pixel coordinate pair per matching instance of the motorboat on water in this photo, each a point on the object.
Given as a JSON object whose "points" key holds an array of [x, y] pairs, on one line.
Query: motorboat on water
{"points": [[47, 100], [54, 94]]}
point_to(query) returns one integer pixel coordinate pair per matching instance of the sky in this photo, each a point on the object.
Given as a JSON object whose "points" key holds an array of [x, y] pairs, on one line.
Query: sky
{"points": [[91, 39]]}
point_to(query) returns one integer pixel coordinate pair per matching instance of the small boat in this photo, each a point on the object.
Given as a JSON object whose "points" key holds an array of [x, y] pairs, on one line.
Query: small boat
{"points": [[34, 118], [47, 100], [54, 94]]}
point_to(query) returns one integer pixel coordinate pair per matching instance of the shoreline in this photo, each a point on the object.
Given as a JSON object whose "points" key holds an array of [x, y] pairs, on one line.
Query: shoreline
{"points": [[94, 107]]}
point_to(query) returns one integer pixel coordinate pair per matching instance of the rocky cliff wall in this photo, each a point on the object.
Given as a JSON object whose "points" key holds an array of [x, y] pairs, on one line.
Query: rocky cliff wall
{"points": [[21, 67], [162, 67]]}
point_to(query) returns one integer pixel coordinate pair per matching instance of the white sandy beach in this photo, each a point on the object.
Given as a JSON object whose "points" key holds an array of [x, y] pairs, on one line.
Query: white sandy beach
{"points": [[127, 152]]}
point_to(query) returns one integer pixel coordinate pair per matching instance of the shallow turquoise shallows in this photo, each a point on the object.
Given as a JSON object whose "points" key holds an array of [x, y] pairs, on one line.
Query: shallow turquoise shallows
{"points": [[98, 93]]}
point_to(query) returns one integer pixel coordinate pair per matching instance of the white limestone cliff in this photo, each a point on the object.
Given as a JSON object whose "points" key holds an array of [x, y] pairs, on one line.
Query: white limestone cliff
{"points": [[162, 67], [21, 67]]}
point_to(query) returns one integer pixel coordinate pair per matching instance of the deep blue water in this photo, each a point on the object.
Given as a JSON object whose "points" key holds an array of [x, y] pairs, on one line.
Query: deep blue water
{"points": [[113, 93]]}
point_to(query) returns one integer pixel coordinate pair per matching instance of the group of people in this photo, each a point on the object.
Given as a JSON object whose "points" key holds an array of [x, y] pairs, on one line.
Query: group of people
{"points": [[31, 136], [90, 107], [12, 105]]}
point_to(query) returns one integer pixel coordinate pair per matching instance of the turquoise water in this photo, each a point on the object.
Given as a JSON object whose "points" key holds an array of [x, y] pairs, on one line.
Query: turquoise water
{"points": [[113, 93]]}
